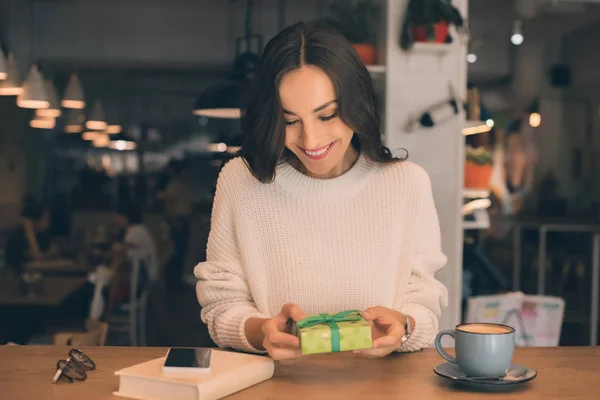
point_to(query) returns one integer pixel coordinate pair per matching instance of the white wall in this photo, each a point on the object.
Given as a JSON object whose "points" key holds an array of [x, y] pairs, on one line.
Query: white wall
{"points": [[414, 83]]}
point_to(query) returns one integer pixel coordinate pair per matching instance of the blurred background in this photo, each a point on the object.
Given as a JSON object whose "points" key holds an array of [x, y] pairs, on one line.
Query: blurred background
{"points": [[116, 117]]}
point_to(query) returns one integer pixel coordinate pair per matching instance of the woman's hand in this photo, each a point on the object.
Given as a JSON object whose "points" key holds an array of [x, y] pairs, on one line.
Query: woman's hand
{"points": [[388, 330], [277, 337]]}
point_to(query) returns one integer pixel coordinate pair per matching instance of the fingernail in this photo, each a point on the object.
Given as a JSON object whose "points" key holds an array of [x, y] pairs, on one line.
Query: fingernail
{"points": [[366, 314]]}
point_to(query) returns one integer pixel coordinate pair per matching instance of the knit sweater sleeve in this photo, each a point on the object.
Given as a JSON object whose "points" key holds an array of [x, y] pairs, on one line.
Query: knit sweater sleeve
{"points": [[222, 288], [425, 297]]}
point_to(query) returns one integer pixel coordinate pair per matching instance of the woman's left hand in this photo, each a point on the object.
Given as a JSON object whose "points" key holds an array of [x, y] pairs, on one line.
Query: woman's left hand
{"points": [[388, 330]]}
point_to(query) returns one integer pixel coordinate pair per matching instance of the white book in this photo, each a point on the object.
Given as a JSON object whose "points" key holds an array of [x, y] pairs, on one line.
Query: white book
{"points": [[229, 373]]}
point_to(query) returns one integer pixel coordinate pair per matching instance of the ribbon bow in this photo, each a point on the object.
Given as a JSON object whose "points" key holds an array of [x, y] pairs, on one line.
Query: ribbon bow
{"points": [[331, 320]]}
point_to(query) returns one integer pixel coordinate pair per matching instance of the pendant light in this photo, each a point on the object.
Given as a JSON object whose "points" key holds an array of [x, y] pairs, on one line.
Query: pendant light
{"points": [[97, 119], [73, 97], [43, 122], [102, 140], [3, 72], [121, 142], [225, 99], [112, 121], [11, 86], [54, 109], [34, 91], [91, 135], [75, 120]]}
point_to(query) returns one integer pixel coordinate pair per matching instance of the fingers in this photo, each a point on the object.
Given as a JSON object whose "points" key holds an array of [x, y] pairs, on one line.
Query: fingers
{"points": [[292, 311], [379, 313], [283, 339], [281, 353], [391, 340]]}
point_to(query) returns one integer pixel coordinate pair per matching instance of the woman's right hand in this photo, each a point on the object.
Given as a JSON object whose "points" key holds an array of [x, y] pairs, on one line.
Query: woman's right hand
{"points": [[277, 337]]}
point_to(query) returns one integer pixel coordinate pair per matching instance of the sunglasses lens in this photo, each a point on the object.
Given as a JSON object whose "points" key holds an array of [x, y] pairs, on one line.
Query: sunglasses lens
{"points": [[71, 370], [82, 359]]}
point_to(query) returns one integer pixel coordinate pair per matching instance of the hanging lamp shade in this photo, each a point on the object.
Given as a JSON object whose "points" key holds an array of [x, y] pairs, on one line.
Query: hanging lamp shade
{"points": [[91, 135], [34, 91], [75, 120], [3, 72], [54, 109], [112, 121], [43, 122], [73, 97], [97, 119], [222, 100], [225, 99], [11, 85], [102, 140]]}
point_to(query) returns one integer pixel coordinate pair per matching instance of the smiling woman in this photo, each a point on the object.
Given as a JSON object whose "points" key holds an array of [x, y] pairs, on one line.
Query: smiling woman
{"points": [[316, 215], [311, 87]]}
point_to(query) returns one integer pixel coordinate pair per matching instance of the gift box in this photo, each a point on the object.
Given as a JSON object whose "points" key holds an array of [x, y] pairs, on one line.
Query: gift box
{"points": [[330, 333]]}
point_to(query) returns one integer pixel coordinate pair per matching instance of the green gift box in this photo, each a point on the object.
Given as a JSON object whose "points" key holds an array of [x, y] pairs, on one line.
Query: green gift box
{"points": [[329, 333]]}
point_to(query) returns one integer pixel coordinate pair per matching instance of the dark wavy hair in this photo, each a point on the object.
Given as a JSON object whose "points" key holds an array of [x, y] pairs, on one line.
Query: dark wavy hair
{"points": [[311, 43]]}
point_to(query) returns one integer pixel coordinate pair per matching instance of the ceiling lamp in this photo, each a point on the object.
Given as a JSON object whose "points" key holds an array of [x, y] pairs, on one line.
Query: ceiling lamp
{"points": [[3, 73], [54, 109], [34, 91], [91, 135], [517, 35], [75, 120], [102, 140], [43, 122], [112, 122], [535, 119], [73, 97], [121, 142], [225, 99], [113, 129], [11, 85], [97, 119]]}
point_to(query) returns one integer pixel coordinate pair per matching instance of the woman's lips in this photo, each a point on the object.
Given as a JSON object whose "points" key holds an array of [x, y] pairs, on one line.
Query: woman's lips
{"points": [[318, 153]]}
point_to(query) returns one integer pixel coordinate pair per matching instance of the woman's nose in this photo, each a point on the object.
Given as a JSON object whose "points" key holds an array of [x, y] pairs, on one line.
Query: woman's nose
{"points": [[311, 137]]}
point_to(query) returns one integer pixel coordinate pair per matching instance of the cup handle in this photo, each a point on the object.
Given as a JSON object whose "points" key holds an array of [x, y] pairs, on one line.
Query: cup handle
{"points": [[440, 349]]}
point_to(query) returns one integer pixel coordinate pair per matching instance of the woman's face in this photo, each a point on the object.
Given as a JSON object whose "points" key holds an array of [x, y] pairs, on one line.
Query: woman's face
{"points": [[314, 131]]}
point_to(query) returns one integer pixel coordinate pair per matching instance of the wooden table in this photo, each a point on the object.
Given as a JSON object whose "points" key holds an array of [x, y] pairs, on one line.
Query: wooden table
{"points": [[563, 373], [55, 291]]}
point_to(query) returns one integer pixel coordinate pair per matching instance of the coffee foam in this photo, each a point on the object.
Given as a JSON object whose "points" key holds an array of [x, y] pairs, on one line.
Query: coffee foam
{"points": [[486, 329]]}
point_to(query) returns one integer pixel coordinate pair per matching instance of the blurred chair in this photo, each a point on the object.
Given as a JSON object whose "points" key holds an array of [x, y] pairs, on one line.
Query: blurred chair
{"points": [[95, 335], [131, 316]]}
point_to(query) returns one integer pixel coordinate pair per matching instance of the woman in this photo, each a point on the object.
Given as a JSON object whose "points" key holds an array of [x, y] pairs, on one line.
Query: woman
{"points": [[33, 240], [316, 215]]}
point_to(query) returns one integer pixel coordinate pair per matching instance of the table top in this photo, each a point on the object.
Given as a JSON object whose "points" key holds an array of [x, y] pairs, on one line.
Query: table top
{"points": [[55, 291], [563, 373]]}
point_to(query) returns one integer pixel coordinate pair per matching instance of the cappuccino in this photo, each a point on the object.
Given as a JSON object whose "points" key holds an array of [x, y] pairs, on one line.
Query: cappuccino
{"points": [[486, 329]]}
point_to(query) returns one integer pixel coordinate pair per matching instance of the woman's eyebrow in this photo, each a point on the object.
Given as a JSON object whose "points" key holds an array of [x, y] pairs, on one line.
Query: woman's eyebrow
{"points": [[321, 107]]}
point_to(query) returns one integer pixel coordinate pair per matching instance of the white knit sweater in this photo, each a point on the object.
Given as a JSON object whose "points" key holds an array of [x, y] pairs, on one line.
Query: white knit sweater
{"points": [[369, 237]]}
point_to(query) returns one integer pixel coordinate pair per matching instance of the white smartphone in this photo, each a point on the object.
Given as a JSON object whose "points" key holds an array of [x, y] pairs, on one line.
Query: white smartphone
{"points": [[188, 360]]}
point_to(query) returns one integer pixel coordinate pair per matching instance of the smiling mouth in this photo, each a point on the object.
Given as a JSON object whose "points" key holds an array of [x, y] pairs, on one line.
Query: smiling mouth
{"points": [[318, 153]]}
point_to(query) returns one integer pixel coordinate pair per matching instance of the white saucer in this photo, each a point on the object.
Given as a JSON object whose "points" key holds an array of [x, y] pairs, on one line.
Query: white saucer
{"points": [[516, 375]]}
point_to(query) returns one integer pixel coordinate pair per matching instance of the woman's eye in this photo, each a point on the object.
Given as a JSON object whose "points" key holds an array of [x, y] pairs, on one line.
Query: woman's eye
{"points": [[290, 123], [329, 117]]}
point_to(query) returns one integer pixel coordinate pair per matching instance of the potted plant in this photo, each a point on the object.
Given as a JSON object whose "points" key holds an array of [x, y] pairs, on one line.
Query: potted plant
{"points": [[478, 168], [428, 21], [357, 21]]}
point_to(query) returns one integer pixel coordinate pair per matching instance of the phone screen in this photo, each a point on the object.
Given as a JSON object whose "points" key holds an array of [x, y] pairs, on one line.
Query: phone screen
{"points": [[188, 358]]}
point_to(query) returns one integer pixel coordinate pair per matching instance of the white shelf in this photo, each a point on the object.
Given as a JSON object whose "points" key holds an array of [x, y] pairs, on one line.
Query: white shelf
{"points": [[375, 69], [475, 127], [476, 193], [424, 47]]}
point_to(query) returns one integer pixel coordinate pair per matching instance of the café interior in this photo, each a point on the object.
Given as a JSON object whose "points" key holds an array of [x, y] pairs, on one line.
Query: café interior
{"points": [[121, 112]]}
